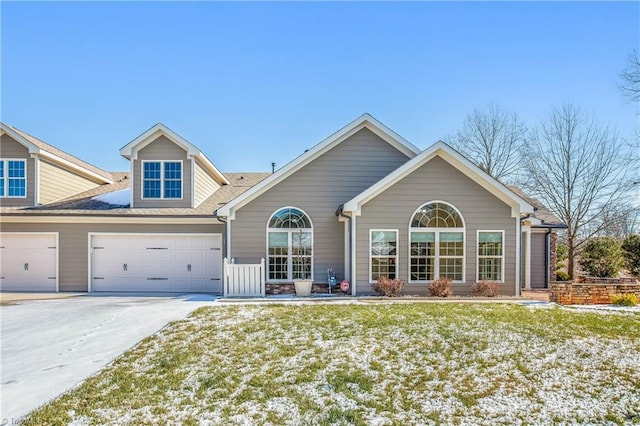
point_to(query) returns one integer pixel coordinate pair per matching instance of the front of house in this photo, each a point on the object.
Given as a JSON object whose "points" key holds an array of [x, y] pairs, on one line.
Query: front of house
{"points": [[364, 202]]}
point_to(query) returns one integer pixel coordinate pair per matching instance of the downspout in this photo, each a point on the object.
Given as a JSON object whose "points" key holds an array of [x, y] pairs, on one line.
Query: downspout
{"points": [[226, 231], [348, 266], [225, 252]]}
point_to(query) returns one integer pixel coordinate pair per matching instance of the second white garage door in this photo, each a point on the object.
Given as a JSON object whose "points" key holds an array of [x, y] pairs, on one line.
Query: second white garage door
{"points": [[156, 262]]}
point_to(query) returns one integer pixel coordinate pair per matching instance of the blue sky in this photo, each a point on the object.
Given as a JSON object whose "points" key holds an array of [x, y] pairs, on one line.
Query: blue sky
{"points": [[252, 83]]}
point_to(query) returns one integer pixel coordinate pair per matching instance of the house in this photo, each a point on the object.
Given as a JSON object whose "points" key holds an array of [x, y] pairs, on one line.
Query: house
{"points": [[364, 202]]}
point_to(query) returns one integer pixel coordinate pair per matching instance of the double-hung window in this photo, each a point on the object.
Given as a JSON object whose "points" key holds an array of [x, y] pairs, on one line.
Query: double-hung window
{"points": [[162, 179], [13, 178], [490, 255], [383, 252]]}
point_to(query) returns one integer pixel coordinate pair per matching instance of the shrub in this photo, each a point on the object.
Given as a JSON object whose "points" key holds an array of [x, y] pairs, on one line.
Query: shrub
{"points": [[388, 287], [486, 288], [561, 255], [602, 257], [629, 299], [562, 276], [631, 253], [441, 287]]}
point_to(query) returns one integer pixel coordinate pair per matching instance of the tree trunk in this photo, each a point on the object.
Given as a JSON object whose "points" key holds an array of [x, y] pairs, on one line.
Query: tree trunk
{"points": [[570, 259]]}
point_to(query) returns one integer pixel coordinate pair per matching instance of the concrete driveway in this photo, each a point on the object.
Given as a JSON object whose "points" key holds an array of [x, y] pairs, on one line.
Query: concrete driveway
{"points": [[50, 346]]}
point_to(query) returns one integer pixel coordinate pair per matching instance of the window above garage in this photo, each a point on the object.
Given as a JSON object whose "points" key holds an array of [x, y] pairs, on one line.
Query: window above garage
{"points": [[13, 178], [162, 180]]}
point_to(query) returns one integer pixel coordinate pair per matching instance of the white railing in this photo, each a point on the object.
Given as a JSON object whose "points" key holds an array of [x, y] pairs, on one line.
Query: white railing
{"points": [[243, 280]]}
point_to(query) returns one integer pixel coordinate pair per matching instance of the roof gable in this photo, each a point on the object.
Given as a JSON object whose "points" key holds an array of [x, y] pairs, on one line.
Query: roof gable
{"points": [[55, 155], [440, 149], [364, 121], [130, 150]]}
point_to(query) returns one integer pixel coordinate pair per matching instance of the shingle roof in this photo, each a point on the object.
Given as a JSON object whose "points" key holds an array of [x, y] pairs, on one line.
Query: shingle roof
{"points": [[62, 154], [84, 204], [541, 211]]}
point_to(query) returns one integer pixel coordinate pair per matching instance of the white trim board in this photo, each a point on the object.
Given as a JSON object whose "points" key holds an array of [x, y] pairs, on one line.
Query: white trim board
{"points": [[28, 218]]}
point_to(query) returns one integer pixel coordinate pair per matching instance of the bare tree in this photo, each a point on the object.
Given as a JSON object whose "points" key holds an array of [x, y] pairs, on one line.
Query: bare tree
{"points": [[579, 170], [617, 221], [492, 140], [630, 79]]}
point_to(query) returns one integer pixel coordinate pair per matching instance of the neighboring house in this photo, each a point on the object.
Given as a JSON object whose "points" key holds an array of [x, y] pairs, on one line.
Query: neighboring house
{"points": [[364, 202]]}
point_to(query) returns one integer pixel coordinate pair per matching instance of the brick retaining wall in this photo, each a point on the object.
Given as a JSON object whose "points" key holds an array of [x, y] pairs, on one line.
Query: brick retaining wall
{"points": [[593, 291]]}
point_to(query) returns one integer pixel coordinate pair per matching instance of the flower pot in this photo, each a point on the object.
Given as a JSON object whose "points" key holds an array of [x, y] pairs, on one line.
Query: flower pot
{"points": [[303, 287]]}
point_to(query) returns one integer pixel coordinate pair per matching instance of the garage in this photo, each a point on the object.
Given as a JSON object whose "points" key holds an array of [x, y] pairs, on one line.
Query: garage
{"points": [[156, 262], [28, 261]]}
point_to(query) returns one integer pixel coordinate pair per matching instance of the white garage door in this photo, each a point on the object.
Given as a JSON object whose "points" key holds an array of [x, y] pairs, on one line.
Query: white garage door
{"points": [[156, 262], [28, 262]]}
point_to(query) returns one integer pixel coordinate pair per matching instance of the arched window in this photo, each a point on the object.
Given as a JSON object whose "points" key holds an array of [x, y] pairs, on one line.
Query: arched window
{"points": [[289, 245], [436, 238]]}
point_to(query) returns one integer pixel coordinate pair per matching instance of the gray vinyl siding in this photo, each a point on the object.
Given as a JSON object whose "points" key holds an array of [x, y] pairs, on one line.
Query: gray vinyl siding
{"points": [[10, 149], [319, 189], [538, 260], [73, 248], [57, 183], [204, 186], [436, 180], [162, 149]]}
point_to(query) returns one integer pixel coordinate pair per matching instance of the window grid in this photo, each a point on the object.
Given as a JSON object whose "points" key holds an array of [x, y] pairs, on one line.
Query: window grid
{"points": [[441, 258], [172, 180], [490, 269], [490, 253], [13, 178], [151, 180], [451, 267], [383, 254], [422, 260], [2, 179], [162, 180]]}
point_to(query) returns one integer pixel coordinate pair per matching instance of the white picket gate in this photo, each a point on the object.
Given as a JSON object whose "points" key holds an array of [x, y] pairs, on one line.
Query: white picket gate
{"points": [[243, 280]]}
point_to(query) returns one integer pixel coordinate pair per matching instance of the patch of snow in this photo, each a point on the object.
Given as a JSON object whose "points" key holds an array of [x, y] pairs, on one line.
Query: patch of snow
{"points": [[121, 197], [600, 308]]}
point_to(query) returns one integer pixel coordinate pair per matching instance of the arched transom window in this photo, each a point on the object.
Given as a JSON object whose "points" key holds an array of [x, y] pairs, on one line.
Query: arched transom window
{"points": [[436, 236], [289, 245]]}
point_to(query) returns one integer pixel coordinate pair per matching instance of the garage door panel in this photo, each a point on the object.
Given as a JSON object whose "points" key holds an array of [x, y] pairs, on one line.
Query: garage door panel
{"points": [[184, 263], [28, 262]]}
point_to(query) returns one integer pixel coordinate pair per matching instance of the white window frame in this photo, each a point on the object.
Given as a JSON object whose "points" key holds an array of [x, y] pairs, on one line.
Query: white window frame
{"points": [[437, 231], [371, 256], [162, 179], [502, 265], [5, 176], [290, 256]]}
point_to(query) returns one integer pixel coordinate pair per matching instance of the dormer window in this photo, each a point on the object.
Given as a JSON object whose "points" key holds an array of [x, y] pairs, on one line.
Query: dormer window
{"points": [[13, 178], [162, 179]]}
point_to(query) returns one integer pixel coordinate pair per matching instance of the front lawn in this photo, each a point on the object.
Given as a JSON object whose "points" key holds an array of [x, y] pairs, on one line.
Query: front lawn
{"points": [[407, 363]]}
